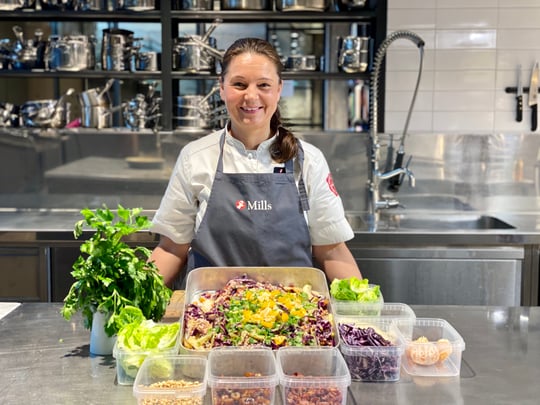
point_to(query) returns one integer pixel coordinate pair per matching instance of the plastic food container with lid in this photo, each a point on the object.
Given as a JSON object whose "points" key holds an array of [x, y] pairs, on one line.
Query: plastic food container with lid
{"points": [[371, 362], [342, 307], [312, 374], [128, 362], [433, 348], [245, 375], [171, 379]]}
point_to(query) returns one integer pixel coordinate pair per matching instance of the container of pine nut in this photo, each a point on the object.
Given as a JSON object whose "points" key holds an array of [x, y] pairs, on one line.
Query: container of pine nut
{"points": [[171, 380]]}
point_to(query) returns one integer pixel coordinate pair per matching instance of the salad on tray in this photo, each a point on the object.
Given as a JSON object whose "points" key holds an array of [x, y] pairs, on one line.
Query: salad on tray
{"points": [[246, 312]]}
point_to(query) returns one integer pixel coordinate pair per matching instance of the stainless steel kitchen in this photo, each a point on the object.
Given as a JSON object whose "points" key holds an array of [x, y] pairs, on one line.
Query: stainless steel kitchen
{"points": [[426, 112]]}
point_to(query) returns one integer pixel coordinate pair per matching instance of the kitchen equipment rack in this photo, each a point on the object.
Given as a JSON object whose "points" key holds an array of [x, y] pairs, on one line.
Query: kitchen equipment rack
{"points": [[374, 14]]}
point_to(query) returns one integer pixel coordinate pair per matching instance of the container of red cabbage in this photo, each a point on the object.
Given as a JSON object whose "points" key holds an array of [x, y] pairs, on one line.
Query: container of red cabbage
{"points": [[371, 348]]}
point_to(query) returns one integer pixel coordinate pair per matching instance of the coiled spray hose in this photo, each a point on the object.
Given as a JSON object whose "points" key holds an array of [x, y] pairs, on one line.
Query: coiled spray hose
{"points": [[394, 182]]}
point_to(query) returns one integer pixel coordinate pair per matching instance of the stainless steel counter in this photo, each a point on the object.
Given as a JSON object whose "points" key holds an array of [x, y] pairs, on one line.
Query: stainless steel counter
{"points": [[48, 226], [46, 360]]}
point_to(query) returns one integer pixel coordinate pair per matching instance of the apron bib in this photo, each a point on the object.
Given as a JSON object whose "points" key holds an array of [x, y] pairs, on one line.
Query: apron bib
{"points": [[253, 219]]}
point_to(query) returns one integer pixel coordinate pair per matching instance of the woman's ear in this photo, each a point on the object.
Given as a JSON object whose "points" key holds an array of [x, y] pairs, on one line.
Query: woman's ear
{"points": [[221, 87]]}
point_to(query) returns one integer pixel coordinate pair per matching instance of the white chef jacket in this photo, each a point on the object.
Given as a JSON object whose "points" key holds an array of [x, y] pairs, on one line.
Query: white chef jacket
{"points": [[184, 203]]}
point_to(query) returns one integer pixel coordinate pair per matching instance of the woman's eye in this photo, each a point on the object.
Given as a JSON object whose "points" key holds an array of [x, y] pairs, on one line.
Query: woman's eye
{"points": [[239, 85]]}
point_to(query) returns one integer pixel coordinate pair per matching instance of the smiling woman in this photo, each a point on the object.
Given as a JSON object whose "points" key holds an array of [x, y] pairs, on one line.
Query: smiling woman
{"points": [[281, 182]]}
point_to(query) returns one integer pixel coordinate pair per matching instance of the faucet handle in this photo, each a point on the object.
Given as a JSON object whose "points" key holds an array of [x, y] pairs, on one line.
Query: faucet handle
{"points": [[396, 181]]}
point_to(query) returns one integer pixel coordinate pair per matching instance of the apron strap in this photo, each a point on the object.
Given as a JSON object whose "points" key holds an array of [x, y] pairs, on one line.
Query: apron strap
{"points": [[304, 202]]}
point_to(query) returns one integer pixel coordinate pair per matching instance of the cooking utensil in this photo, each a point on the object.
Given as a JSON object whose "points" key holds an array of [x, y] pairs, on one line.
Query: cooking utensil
{"points": [[519, 96], [196, 5], [9, 5], [46, 113], [348, 5], [211, 28], [246, 4], [353, 54], [135, 5], [192, 55], [302, 5], [533, 96], [301, 63]]}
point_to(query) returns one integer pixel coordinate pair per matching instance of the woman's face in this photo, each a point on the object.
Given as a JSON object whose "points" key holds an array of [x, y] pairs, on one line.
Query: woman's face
{"points": [[251, 89]]}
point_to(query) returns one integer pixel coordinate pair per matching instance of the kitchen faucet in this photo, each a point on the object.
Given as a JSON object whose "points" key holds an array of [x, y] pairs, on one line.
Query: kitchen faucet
{"points": [[393, 175]]}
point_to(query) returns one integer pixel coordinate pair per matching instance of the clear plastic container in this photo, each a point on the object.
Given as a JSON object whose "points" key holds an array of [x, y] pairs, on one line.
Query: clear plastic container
{"points": [[312, 375], [425, 353], [128, 362], [246, 374], [370, 362], [171, 379], [342, 307]]}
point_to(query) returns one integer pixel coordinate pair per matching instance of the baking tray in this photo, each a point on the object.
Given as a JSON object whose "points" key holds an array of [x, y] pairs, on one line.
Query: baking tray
{"points": [[210, 279]]}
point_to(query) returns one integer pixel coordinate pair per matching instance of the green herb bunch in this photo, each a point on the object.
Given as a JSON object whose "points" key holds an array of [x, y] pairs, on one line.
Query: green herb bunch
{"points": [[110, 274]]}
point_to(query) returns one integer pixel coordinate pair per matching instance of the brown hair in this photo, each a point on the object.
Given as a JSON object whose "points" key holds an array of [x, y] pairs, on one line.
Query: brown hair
{"points": [[285, 146]]}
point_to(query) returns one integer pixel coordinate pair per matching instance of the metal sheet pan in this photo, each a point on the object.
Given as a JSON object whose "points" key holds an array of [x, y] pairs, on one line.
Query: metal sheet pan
{"points": [[206, 279]]}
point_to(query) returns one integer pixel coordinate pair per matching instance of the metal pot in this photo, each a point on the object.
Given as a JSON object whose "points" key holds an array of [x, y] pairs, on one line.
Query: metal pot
{"points": [[116, 49], [96, 117], [58, 4], [195, 110], [190, 56], [71, 53], [27, 54], [46, 113], [195, 5], [301, 63], [147, 61], [353, 54], [9, 115], [135, 5], [91, 5], [246, 4], [348, 5], [9, 5], [97, 97], [302, 5]]}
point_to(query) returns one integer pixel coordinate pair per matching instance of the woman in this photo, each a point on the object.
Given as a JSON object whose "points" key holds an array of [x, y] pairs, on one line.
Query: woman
{"points": [[252, 194]]}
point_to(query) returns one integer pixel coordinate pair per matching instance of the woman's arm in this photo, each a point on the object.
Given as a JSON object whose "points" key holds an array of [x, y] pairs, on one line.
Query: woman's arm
{"points": [[337, 261], [170, 258]]}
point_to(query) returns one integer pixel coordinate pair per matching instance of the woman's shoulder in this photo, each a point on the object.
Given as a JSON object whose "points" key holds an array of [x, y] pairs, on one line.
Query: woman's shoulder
{"points": [[310, 151], [203, 143]]}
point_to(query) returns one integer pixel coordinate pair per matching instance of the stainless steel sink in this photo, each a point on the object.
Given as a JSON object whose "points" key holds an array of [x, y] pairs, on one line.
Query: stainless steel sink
{"points": [[430, 222], [449, 222]]}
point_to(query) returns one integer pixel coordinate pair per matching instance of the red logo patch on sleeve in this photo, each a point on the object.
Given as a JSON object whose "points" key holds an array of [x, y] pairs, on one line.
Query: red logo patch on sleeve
{"points": [[331, 184]]}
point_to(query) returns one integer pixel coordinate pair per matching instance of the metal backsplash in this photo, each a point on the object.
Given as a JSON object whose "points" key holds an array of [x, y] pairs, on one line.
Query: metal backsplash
{"points": [[483, 170]]}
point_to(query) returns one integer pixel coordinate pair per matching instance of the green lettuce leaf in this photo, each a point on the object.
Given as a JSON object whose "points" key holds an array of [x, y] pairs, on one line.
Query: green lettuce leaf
{"points": [[354, 289]]}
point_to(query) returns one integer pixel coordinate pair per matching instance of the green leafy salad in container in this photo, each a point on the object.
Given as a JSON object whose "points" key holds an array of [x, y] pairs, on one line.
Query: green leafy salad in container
{"points": [[138, 338], [354, 296]]}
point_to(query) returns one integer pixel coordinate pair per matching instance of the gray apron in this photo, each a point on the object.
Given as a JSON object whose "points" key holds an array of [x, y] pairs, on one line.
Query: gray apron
{"points": [[253, 219]]}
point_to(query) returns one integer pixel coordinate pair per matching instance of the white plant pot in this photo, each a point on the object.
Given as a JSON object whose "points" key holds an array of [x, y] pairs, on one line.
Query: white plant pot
{"points": [[100, 343]]}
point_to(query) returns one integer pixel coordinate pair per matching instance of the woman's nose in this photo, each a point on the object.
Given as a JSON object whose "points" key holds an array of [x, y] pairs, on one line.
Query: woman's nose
{"points": [[251, 92]]}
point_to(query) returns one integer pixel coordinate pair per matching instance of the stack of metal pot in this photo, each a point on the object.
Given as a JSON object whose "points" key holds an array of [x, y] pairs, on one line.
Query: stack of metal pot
{"points": [[195, 53], [143, 111], [118, 50], [24, 54], [46, 113], [96, 109]]}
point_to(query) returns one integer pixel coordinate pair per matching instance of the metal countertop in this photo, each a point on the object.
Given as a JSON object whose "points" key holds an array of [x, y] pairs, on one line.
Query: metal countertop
{"points": [[51, 227], [45, 359]]}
